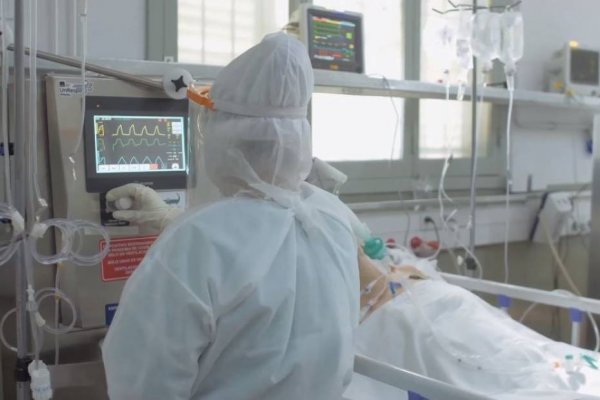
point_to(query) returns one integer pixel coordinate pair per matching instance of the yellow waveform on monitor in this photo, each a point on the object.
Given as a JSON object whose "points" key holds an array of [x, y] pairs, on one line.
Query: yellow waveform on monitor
{"points": [[133, 131]]}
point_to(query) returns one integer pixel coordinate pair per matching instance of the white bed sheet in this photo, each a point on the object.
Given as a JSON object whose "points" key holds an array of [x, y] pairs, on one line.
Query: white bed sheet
{"points": [[513, 362]]}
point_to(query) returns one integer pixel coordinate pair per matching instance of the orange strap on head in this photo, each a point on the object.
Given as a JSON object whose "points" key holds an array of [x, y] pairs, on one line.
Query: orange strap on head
{"points": [[201, 96]]}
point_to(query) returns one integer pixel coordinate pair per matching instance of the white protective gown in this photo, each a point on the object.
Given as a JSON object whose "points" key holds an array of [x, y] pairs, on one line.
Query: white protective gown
{"points": [[257, 296]]}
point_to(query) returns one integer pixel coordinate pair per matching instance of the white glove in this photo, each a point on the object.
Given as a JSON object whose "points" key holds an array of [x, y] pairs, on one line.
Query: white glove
{"points": [[148, 208]]}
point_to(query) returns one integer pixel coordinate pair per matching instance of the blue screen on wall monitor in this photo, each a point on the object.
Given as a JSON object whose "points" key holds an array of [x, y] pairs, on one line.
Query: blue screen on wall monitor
{"points": [[139, 144]]}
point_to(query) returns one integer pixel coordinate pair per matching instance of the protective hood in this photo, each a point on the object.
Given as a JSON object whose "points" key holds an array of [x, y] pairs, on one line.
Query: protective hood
{"points": [[256, 139]]}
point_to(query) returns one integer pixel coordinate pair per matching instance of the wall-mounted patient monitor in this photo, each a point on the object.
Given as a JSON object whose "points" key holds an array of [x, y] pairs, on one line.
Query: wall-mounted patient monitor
{"points": [[334, 38]]}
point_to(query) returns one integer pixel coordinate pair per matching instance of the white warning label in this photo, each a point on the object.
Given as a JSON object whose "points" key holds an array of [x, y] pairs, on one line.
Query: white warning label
{"points": [[74, 88]]}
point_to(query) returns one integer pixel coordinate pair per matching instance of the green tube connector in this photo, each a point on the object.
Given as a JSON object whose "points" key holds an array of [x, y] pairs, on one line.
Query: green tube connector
{"points": [[375, 248], [592, 362]]}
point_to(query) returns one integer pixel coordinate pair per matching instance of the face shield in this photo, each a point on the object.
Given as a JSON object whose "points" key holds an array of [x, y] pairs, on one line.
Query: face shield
{"points": [[200, 190]]}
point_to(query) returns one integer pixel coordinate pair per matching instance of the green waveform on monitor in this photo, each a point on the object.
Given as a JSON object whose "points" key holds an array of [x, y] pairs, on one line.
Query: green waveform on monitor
{"points": [[141, 142]]}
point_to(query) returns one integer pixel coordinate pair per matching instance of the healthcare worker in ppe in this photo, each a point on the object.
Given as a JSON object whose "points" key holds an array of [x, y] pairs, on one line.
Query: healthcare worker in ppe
{"points": [[257, 295]]}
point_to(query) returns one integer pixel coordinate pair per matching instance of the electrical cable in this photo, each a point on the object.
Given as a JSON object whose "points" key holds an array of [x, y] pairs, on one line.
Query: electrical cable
{"points": [[527, 311], [565, 272]]}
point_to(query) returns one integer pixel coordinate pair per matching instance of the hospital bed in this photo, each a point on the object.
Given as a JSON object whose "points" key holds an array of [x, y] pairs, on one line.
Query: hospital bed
{"points": [[418, 387], [82, 377], [577, 305], [88, 378]]}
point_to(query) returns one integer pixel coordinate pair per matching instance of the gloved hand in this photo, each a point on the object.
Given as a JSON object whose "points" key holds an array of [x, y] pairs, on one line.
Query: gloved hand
{"points": [[148, 208]]}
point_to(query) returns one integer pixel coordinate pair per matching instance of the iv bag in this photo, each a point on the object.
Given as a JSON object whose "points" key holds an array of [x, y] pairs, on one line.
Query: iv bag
{"points": [[463, 51], [440, 41], [512, 39], [486, 37]]}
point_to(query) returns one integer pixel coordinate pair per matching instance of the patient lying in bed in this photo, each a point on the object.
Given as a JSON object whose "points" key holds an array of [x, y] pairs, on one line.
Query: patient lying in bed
{"points": [[430, 327]]}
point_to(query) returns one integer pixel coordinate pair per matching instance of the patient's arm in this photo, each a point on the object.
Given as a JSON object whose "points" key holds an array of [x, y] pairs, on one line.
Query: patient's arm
{"points": [[369, 273], [379, 292]]}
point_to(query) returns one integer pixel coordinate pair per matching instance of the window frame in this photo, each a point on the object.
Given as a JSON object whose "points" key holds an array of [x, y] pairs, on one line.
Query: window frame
{"points": [[381, 176]]}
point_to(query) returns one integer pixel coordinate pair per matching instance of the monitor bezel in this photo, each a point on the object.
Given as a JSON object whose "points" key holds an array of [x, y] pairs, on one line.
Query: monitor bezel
{"points": [[131, 106], [359, 42], [574, 50]]}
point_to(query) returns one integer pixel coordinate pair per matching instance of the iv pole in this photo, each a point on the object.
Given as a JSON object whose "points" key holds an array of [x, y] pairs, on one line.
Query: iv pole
{"points": [[470, 263], [23, 360]]}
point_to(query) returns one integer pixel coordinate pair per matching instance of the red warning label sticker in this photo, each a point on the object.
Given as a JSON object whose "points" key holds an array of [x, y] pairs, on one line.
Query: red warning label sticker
{"points": [[124, 256]]}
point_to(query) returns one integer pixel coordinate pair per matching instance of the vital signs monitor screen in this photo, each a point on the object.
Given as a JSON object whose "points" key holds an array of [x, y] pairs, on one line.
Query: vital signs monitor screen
{"points": [[135, 139], [335, 40], [130, 144]]}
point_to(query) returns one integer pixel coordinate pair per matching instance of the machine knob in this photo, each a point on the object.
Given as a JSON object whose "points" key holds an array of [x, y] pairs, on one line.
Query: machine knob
{"points": [[124, 203]]}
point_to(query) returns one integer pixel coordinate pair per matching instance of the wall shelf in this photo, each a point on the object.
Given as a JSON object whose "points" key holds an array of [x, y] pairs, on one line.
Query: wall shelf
{"points": [[357, 84], [348, 83]]}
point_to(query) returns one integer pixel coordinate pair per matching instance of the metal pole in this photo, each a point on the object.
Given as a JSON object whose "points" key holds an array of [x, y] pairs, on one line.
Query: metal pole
{"points": [[76, 63], [593, 280], [470, 263], [22, 377], [474, 144], [415, 383]]}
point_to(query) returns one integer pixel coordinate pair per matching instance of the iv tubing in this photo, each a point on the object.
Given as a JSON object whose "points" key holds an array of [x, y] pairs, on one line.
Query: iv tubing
{"points": [[55, 26], [442, 192], [2, 337], [70, 230], [4, 111], [56, 313], [38, 203], [508, 183], [10, 213], [66, 233], [35, 318], [83, 22], [80, 227]]}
